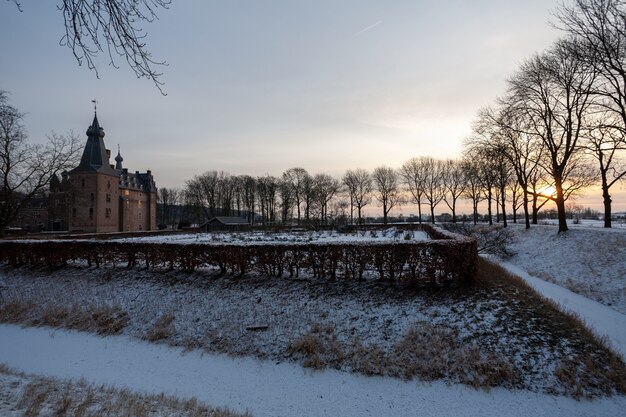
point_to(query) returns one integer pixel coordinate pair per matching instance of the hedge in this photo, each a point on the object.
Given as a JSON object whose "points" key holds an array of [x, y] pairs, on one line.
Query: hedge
{"points": [[447, 259]]}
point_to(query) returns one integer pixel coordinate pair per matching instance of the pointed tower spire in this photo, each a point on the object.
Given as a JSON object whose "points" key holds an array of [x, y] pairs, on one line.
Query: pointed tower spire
{"points": [[118, 159], [95, 156]]}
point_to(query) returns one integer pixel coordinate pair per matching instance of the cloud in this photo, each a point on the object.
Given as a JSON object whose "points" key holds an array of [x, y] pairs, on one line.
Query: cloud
{"points": [[354, 35]]}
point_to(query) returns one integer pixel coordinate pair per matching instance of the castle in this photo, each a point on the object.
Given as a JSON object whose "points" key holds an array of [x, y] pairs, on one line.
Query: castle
{"points": [[97, 197]]}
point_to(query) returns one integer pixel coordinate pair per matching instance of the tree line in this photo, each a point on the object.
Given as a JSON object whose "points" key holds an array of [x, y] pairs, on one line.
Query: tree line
{"points": [[300, 198]]}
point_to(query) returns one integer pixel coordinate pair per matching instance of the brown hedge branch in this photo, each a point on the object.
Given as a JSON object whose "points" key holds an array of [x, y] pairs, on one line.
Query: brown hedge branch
{"points": [[446, 260]]}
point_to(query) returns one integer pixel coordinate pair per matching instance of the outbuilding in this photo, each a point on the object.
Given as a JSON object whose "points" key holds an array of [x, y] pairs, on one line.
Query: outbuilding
{"points": [[226, 223]]}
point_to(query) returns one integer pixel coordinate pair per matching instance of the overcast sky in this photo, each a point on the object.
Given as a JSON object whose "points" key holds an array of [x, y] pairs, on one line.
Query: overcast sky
{"points": [[257, 87]]}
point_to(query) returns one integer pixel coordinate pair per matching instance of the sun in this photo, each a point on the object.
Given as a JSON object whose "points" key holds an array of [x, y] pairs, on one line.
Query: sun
{"points": [[548, 191]]}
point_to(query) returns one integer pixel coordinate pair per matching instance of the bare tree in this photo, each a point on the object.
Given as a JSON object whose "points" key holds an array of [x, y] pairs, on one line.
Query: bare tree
{"points": [[473, 184], [359, 185], [325, 188], [434, 188], [598, 38], [298, 181], [248, 187], [413, 173], [169, 200], [386, 188], [555, 91], [267, 189], [453, 182], [27, 169], [509, 129], [606, 145], [202, 191], [93, 27]]}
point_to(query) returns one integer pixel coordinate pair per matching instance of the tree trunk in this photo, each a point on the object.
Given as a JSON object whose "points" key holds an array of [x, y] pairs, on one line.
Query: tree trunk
{"points": [[453, 210], [607, 201], [432, 214], [503, 198], [384, 213], [489, 215], [419, 211], [351, 210], [560, 205], [526, 214], [497, 210], [475, 207]]}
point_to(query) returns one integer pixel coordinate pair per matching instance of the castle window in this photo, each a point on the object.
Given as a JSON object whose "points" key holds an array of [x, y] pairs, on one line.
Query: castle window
{"points": [[93, 196], [108, 184], [82, 181], [107, 213], [108, 198], [74, 212], [91, 212]]}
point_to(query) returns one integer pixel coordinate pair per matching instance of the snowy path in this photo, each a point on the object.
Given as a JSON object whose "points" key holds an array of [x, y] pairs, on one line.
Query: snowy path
{"points": [[264, 388], [602, 319]]}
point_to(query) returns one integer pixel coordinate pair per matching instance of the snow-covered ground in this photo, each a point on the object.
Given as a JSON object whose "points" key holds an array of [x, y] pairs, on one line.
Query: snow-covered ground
{"points": [[586, 223], [386, 235], [603, 320], [586, 260], [265, 388], [208, 309], [261, 317]]}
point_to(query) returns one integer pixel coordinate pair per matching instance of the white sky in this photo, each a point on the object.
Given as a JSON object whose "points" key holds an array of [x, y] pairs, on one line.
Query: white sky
{"points": [[259, 87]]}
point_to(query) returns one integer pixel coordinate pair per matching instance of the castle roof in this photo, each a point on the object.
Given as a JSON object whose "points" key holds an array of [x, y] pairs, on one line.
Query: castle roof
{"points": [[95, 158]]}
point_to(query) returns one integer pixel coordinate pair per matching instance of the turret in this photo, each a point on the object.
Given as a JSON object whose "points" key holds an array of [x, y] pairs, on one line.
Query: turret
{"points": [[118, 159]]}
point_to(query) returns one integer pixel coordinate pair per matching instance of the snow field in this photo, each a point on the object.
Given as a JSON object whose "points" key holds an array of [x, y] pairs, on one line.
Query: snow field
{"points": [[267, 389], [589, 261], [250, 238], [221, 314]]}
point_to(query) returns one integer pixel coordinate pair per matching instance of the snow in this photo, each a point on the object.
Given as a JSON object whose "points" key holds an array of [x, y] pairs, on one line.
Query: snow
{"points": [[589, 261], [603, 320], [382, 236], [265, 388], [215, 312]]}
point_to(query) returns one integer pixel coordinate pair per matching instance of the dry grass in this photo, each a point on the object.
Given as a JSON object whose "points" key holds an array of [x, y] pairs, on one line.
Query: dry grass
{"points": [[103, 320], [431, 352], [163, 329], [426, 351], [597, 368], [318, 348], [36, 396]]}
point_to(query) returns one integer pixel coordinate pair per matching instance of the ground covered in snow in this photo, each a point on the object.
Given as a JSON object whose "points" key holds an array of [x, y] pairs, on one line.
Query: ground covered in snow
{"points": [[386, 235], [24, 394], [267, 389], [496, 333], [587, 260]]}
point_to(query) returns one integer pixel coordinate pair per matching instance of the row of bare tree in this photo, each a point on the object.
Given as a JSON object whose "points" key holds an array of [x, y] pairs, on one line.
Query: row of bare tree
{"points": [[299, 197], [561, 125]]}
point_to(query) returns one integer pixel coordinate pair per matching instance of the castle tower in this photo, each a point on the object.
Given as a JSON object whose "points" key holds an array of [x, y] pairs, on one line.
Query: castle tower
{"points": [[94, 187]]}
